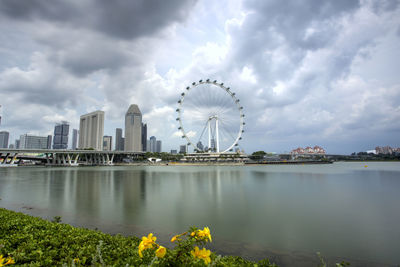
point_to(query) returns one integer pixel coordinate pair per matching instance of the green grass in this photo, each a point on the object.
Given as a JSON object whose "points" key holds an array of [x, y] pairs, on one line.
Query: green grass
{"points": [[33, 241]]}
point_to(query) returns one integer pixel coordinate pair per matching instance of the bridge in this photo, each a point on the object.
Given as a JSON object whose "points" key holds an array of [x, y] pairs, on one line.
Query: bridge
{"points": [[64, 157]]}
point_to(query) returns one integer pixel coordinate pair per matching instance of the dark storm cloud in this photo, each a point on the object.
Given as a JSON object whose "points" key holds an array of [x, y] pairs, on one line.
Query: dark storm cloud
{"points": [[120, 18], [86, 56]]}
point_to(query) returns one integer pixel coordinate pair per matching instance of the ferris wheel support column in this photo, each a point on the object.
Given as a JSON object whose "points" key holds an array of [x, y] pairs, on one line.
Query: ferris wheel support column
{"points": [[209, 133], [216, 132]]}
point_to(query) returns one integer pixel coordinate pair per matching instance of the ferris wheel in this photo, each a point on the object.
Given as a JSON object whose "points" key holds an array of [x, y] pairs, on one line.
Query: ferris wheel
{"points": [[210, 117]]}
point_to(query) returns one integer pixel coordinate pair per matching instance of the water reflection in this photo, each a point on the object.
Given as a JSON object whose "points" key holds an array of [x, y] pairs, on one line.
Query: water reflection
{"points": [[348, 211]]}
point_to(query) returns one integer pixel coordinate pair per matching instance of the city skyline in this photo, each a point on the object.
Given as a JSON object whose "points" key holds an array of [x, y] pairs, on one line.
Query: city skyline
{"points": [[311, 73]]}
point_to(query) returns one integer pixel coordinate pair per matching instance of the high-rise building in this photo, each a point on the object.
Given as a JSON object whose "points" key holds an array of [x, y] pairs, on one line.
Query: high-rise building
{"points": [[133, 129], [173, 151], [74, 138], [17, 144], [153, 144], [49, 139], [119, 141], [4, 135], [158, 146], [33, 142], [144, 137], [61, 131], [107, 143], [183, 149], [91, 130], [148, 146]]}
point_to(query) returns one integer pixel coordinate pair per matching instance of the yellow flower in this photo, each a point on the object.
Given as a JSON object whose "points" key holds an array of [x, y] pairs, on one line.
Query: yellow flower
{"points": [[141, 248], [4, 261], [76, 260], [174, 238], [147, 242], [203, 254], [203, 234], [160, 252], [207, 234]]}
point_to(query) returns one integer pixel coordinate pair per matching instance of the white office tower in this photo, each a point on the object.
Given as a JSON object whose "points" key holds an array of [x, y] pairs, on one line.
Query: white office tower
{"points": [[91, 130], [133, 129]]}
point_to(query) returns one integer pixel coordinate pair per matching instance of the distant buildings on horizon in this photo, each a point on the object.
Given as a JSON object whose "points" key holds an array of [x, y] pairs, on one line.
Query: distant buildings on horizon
{"points": [[308, 150], [387, 150]]}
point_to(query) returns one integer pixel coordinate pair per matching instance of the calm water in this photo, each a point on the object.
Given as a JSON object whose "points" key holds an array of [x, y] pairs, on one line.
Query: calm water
{"points": [[342, 209]]}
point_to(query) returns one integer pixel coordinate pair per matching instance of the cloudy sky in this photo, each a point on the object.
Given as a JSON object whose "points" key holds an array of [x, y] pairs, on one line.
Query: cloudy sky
{"points": [[307, 72]]}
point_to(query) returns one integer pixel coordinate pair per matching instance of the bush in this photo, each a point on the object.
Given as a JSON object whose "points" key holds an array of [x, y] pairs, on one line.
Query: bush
{"points": [[32, 241]]}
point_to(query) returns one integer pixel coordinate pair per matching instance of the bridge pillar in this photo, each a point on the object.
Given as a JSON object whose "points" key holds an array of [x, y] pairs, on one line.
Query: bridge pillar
{"points": [[75, 161], [13, 158], [5, 158], [47, 159]]}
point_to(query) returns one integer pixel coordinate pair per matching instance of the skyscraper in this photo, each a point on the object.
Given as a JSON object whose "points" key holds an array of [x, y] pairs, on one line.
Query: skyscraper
{"points": [[183, 149], [74, 138], [4, 135], [119, 141], [17, 144], [144, 137], [91, 130], [107, 143], [158, 146], [61, 131], [153, 144], [49, 140], [133, 129], [33, 142]]}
